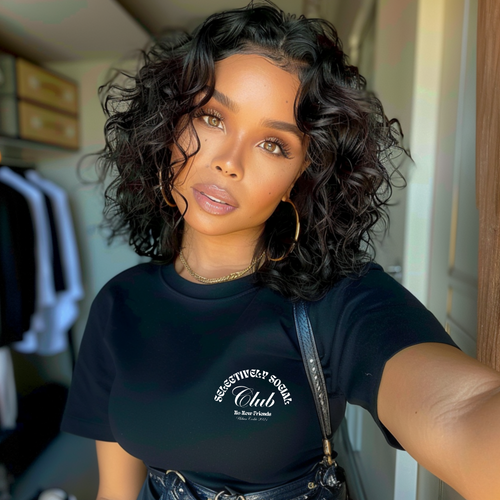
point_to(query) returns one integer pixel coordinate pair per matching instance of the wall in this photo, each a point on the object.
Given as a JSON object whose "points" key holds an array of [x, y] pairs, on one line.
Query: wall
{"points": [[387, 34]]}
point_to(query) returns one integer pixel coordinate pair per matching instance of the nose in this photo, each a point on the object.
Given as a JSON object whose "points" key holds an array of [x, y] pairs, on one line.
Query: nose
{"points": [[229, 162]]}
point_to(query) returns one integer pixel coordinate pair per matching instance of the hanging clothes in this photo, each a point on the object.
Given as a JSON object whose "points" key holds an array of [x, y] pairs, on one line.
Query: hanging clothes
{"points": [[58, 286], [17, 265], [17, 290], [40, 278], [63, 314], [45, 292]]}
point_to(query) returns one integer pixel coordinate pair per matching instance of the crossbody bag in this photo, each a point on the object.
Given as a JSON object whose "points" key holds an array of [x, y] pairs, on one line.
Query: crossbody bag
{"points": [[330, 477]]}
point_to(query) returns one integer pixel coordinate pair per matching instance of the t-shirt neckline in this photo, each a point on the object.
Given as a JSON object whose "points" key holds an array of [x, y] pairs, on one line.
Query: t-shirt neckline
{"points": [[201, 291]]}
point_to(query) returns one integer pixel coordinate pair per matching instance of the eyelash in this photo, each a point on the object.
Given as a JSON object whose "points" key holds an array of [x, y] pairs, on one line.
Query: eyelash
{"points": [[208, 112], [285, 149]]}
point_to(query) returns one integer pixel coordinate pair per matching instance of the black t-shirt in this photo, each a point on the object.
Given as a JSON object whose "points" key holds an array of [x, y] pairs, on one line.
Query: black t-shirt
{"points": [[209, 380]]}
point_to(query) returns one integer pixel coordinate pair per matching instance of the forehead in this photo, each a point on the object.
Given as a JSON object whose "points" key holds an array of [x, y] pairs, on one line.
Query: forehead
{"points": [[251, 80]]}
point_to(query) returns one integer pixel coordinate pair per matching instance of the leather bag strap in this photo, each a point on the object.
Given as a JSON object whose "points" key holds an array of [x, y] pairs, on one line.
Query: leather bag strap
{"points": [[314, 372]]}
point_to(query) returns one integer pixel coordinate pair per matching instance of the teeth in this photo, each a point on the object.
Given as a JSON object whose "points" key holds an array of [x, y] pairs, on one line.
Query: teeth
{"points": [[215, 199]]}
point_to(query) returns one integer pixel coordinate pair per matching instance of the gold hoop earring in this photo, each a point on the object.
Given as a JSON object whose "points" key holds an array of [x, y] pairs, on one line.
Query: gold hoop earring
{"points": [[296, 237], [162, 188]]}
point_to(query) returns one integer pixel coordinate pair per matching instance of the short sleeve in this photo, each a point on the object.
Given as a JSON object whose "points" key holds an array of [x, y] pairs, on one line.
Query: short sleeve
{"points": [[375, 318], [86, 412]]}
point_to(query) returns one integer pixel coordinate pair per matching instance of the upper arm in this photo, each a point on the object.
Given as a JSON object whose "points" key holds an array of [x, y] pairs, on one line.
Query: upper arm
{"points": [[441, 405], [120, 474]]}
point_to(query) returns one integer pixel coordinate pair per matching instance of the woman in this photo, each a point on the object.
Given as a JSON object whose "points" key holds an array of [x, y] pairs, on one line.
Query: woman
{"points": [[250, 162]]}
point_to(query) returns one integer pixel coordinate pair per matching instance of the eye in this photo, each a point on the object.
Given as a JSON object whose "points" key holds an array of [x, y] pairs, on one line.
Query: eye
{"points": [[272, 147], [211, 117], [276, 147], [212, 121]]}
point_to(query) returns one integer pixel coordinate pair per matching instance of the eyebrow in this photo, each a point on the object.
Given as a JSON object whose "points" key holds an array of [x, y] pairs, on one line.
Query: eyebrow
{"points": [[276, 124], [225, 101], [284, 126]]}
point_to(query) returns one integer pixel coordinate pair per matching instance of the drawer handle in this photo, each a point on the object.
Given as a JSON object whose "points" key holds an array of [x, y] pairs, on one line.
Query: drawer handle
{"points": [[51, 87], [38, 123]]}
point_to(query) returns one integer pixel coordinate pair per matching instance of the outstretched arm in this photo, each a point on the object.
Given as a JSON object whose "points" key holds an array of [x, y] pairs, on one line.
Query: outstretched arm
{"points": [[444, 408]]}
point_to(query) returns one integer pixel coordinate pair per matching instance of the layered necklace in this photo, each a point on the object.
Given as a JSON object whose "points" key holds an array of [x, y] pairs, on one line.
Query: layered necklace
{"points": [[223, 279]]}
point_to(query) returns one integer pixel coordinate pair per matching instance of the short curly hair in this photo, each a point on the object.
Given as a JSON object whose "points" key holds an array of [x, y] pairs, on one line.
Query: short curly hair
{"points": [[341, 198]]}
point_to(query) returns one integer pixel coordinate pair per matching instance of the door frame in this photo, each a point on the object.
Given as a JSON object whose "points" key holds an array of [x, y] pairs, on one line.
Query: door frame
{"points": [[488, 182]]}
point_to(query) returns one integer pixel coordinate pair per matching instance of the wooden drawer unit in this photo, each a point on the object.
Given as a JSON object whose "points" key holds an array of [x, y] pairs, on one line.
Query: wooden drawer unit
{"points": [[38, 85], [44, 125], [37, 105]]}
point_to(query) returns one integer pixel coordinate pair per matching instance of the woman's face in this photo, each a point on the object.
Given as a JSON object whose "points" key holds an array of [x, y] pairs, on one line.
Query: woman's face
{"points": [[251, 150]]}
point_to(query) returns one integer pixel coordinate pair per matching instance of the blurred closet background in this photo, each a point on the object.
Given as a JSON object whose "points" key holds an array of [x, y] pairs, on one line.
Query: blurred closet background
{"points": [[419, 56]]}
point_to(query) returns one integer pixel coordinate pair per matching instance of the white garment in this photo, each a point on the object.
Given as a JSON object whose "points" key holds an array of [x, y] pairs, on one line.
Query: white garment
{"points": [[8, 395], [61, 317], [45, 296]]}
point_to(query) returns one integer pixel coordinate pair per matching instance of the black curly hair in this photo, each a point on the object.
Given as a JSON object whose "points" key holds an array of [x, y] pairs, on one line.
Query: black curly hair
{"points": [[341, 198]]}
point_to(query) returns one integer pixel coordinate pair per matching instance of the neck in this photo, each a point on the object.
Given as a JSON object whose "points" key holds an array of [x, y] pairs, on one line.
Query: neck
{"points": [[215, 256]]}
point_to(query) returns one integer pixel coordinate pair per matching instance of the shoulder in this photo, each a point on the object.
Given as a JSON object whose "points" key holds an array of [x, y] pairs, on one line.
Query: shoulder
{"points": [[372, 288], [373, 309], [133, 275], [138, 279], [131, 286]]}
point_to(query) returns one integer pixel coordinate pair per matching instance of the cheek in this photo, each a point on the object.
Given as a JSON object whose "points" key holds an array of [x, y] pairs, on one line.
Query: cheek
{"points": [[275, 183], [267, 193], [182, 168], [186, 141], [183, 174]]}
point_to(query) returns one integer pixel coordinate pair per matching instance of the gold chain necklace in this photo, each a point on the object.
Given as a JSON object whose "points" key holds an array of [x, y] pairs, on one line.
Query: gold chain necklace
{"points": [[223, 279]]}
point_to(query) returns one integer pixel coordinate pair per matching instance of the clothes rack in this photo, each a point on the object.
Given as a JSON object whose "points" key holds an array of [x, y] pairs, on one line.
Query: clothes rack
{"points": [[10, 438]]}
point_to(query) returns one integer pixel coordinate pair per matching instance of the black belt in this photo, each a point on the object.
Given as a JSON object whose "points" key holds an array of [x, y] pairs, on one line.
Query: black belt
{"points": [[189, 490]]}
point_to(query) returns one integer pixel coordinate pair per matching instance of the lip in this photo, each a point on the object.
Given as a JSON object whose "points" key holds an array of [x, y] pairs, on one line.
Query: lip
{"points": [[214, 199], [216, 192]]}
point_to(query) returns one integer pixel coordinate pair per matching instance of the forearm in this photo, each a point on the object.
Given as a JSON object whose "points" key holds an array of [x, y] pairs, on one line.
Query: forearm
{"points": [[477, 446]]}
